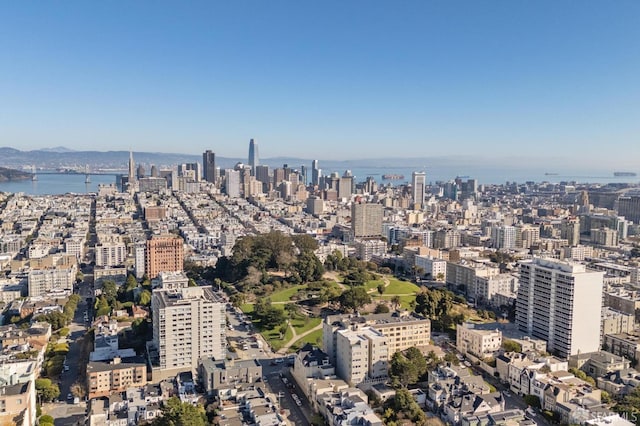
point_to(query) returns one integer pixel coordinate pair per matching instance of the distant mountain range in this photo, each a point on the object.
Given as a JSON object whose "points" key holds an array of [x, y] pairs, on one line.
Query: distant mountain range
{"points": [[64, 158]]}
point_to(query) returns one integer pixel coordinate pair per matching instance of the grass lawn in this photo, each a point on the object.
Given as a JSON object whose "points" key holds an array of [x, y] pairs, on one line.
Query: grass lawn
{"points": [[285, 295], [400, 287], [373, 285], [303, 324], [405, 301], [314, 338], [273, 337], [247, 308]]}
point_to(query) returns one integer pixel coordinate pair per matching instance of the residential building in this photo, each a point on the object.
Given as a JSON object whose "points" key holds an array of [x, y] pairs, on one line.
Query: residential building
{"points": [[165, 253], [616, 322], [232, 183], [361, 354], [18, 404], [503, 237], [623, 344], [560, 302], [366, 220], [216, 375], [433, 269], [52, 273], [403, 330], [188, 324], [478, 342], [103, 378], [597, 364], [111, 253]]}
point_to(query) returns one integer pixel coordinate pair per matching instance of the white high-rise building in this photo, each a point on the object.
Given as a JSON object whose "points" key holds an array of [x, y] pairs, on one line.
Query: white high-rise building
{"points": [[139, 257], [232, 183], [361, 354], [503, 237], [561, 303], [110, 253], [418, 184], [188, 324]]}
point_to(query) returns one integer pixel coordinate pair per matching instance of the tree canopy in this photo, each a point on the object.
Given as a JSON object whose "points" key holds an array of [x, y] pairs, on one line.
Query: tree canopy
{"points": [[354, 297], [177, 413]]}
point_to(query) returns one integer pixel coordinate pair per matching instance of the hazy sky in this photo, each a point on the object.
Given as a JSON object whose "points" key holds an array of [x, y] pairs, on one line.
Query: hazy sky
{"points": [[324, 79]]}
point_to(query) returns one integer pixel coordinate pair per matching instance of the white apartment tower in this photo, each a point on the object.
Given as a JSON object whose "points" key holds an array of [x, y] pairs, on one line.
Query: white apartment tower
{"points": [[560, 302], [418, 184], [188, 324]]}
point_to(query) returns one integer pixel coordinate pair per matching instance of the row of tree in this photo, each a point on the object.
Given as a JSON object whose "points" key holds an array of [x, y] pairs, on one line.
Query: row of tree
{"points": [[58, 319]]}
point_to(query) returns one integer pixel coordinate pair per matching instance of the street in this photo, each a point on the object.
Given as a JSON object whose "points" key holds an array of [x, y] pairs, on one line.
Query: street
{"points": [[241, 333], [65, 412]]}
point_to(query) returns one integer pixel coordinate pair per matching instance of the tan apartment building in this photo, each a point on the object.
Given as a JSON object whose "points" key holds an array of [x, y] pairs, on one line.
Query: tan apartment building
{"points": [[103, 378], [164, 253]]}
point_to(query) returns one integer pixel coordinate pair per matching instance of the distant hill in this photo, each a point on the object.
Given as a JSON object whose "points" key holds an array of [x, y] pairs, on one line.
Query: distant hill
{"points": [[64, 158], [11, 174]]}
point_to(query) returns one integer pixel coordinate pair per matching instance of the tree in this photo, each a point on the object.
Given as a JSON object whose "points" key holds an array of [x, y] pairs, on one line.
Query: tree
{"points": [[102, 306], [45, 419], [308, 267], [582, 376], [532, 401], [402, 371], [57, 319], [131, 282], [47, 390], [272, 317], [144, 298], [381, 308], [305, 243], [415, 357], [354, 297], [396, 301], [177, 413], [511, 346], [381, 289], [451, 358], [292, 309], [110, 291], [629, 405]]}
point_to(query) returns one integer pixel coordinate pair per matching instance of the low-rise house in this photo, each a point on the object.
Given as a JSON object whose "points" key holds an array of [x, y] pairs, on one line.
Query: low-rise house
{"points": [[472, 405], [478, 342], [597, 364], [215, 376], [619, 382], [347, 407]]}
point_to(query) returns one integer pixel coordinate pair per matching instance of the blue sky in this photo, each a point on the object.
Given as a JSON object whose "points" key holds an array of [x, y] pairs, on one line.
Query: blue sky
{"points": [[325, 79]]}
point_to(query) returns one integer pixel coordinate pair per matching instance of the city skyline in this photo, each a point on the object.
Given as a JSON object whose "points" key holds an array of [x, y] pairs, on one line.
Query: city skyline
{"points": [[355, 80]]}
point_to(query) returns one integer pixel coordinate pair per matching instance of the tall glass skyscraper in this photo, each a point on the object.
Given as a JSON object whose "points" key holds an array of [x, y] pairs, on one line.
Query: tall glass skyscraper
{"points": [[209, 166], [253, 156]]}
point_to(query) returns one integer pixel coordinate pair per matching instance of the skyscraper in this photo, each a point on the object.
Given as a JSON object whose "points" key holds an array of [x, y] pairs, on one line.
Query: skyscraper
{"points": [[315, 173], [209, 166], [232, 183], [132, 168], [253, 156], [418, 183], [561, 303]]}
